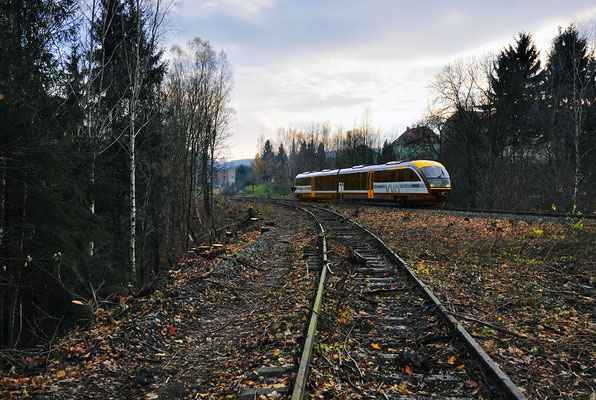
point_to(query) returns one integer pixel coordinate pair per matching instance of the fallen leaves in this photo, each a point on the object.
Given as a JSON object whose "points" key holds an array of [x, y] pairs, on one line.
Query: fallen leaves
{"points": [[187, 334], [531, 277]]}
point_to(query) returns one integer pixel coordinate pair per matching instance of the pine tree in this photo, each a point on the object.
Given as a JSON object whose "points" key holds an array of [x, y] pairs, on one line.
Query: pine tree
{"points": [[282, 181], [268, 159], [281, 161], [42, 191], [321, 158], [387, 153], [514, 95]]}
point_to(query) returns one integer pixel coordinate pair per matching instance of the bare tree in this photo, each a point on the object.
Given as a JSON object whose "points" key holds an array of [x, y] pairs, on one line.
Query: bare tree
{"points": [[460, 94], [198, 92]]}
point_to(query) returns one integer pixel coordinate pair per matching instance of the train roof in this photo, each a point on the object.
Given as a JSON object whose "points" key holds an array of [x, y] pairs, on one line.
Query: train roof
{"points": [[427, 163], [378, 167], [318, 173]]}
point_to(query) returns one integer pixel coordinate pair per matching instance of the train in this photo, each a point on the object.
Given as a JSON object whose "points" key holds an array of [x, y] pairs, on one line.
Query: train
{"points": [[422, 183]]}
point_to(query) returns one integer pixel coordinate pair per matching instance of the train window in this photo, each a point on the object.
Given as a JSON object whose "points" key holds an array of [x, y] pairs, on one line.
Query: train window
{"points": [[413, 176], [401, 175], [348, 181], [434, 172], [322, 183], [437, 176], [328, 182], [384, 176], [407, 175], [352, 181], [302, 181]]}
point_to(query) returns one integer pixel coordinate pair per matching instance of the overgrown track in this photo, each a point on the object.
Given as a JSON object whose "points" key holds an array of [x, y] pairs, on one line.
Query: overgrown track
{"points": [[400, 335], [281, 364]]}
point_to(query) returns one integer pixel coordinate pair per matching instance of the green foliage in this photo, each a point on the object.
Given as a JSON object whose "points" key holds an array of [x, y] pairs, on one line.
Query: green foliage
{"points": [[257, 190], [538, 232]]}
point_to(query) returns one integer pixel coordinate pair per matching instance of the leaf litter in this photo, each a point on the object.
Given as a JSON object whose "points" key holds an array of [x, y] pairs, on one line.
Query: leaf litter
{"points": [[523, 287], [196, 337]]}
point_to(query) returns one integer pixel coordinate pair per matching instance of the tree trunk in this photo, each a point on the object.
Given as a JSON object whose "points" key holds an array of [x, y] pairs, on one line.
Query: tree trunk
{"points": [[205, 179], [3, 247], [18, 270], [578, 111], [92, 200], [210, 186], [192, 182], [132, 194]]}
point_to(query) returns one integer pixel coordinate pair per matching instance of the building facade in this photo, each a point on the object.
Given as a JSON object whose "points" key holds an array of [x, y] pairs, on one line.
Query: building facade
{"points": [[417, 143]]}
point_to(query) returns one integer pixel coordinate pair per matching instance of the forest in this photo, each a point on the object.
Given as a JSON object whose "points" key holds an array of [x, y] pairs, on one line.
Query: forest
{"points": [[108, 143], [105, 150], [515, 134]]}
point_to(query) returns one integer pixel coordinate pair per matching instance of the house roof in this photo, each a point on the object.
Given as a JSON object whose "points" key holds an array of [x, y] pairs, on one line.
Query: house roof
{"points": [[419, 134]]}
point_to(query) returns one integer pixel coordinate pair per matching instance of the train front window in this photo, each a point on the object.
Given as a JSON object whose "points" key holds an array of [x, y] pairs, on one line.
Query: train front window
{"points": [[437, 176]]}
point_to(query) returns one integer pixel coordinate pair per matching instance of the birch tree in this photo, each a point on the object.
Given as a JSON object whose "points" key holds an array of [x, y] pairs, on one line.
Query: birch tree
{"points": [[570, 92], [147, 17]]}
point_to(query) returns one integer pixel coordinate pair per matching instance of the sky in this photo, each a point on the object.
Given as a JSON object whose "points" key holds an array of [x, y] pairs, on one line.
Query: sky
{"points": [[296, 62]]}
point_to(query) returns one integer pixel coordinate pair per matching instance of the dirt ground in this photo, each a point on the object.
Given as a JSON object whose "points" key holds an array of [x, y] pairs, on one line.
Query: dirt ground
{"points": [[200, 336], [524, 288]]}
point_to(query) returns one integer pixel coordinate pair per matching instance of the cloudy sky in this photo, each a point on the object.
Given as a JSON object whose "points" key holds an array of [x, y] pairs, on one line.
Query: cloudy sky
{"points": [[300, 61]]}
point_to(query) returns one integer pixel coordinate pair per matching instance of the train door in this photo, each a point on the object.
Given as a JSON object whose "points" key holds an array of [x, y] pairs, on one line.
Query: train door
{"points": [[312, 187], [370, 184]]}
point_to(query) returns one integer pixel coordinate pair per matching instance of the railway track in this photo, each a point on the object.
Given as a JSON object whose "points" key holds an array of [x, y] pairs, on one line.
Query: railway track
{"points": [[392, 205], [482, 211], [381, 332], [282, 363]]}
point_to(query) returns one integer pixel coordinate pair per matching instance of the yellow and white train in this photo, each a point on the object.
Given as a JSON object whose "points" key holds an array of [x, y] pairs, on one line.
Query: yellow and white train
{"points": [[419, 182]]}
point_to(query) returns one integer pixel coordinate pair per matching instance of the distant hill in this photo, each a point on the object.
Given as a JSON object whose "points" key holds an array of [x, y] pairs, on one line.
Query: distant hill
{"points": [[232, 164]]}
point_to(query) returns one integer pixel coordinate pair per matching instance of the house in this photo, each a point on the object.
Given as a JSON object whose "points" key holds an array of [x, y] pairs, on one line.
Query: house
{"points": [[225, 177], [417, 143]]}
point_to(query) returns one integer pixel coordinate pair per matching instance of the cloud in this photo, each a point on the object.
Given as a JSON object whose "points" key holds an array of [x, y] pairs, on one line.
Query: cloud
{"points": [[281, 95], [247, 10], [298, 61]]}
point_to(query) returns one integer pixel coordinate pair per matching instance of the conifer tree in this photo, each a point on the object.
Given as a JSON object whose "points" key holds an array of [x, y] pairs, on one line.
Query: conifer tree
{"points": [[42, 202], [514, 95], [387, 153]]}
